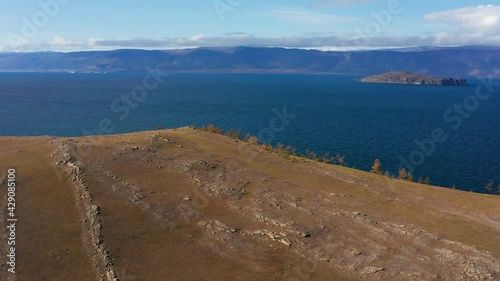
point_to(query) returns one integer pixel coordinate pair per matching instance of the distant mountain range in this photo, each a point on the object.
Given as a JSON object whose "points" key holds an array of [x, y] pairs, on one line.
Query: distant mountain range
{"points": [[451, 61]]}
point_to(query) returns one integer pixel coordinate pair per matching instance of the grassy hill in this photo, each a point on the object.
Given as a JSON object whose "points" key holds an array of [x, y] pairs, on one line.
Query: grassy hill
{"points": [[186, 204]]}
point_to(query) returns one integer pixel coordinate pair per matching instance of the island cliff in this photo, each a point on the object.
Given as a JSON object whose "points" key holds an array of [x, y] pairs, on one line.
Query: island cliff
{"points": [[405, 77]]}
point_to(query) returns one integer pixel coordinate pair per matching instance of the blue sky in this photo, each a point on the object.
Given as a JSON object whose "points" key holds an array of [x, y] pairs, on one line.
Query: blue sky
{"points": [[72, 25]]}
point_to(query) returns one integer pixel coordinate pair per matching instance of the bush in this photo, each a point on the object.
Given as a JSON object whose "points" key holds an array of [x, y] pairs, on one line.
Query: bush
{"points": [[410, 177], [402, 174], [284, 151], [377, 167], [212, 129], [253, 140], [341, 160], [233, 134], [489, 187], [327, 159], [311, 155], [267, 147]]}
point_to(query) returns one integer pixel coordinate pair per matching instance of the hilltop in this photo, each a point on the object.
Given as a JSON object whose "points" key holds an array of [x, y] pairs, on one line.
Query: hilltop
{"points": [[405, 77], [185, 204]]}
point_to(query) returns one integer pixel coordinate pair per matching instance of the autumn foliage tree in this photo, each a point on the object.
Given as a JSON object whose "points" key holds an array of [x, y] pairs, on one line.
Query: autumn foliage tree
{"points": [[377, 167], [410, 177], [489, 187], [402, 174]]}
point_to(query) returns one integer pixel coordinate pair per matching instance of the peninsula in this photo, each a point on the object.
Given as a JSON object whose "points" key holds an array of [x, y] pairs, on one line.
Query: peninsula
{"points": [[404, 77]]}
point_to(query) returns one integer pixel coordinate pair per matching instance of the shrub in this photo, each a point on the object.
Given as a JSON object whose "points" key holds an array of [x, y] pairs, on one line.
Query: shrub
{"points": [[233, 134], [420, 180], [212, 129], [402, 174], [267, 147], [377, 167], [253, 140], [285, 151], [427, 180], [311, 155], [160, 127], [410, 177], [341, 160], [326, 158], [489, 187]]}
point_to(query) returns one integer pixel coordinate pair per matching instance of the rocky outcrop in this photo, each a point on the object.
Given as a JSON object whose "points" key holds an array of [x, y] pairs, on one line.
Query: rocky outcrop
{"points": [[90, 214], [413, 78]]}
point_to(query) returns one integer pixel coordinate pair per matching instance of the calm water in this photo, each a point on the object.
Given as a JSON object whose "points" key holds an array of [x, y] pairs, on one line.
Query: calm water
{"points": [[331, 114]]}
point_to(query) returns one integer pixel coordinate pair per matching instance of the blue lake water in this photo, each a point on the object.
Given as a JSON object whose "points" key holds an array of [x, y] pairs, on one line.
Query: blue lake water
{"points": [[331, 113]]}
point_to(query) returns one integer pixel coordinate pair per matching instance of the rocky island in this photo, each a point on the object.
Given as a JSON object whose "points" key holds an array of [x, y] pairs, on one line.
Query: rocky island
{"points": [[404, 77]]}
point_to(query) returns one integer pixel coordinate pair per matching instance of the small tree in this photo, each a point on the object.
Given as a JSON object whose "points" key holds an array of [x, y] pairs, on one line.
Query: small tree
{"points": [[342, 161], [420, 180], [233, 134], [427, 180], [212, 129], [402, 174], [253, 140], [410, 177], [160, 127], [377, 167], [489, 187], [387, 174], [327, 159], [311, 155]]}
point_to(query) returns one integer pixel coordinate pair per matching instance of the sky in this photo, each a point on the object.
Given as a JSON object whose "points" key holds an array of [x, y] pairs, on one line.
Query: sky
{"points": [[76, 25]]}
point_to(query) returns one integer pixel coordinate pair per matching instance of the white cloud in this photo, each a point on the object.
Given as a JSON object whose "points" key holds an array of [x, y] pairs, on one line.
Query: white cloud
{"points": [[243, 39], [482, 19], [320, 42], [302, 16], [59, 41], [198, 37], [336, 3]]}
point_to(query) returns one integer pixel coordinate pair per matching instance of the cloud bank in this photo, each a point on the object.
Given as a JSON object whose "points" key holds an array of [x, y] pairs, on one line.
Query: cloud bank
{"points": [[467, 26], [355, 42]]}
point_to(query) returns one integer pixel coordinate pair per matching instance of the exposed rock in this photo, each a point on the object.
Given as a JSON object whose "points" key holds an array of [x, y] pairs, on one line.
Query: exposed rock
{"points": [[90, 214], [370, 270]]}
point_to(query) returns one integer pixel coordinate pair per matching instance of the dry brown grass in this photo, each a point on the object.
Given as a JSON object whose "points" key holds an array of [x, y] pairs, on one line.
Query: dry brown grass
{"points": [[168, 205]]}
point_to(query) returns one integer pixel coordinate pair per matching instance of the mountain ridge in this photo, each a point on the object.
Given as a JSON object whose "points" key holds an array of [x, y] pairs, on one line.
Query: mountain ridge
{"points": [[456, 61]]}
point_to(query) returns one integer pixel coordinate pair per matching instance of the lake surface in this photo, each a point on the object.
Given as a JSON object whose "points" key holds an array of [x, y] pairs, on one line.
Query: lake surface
{"points": [[325, 113]]}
